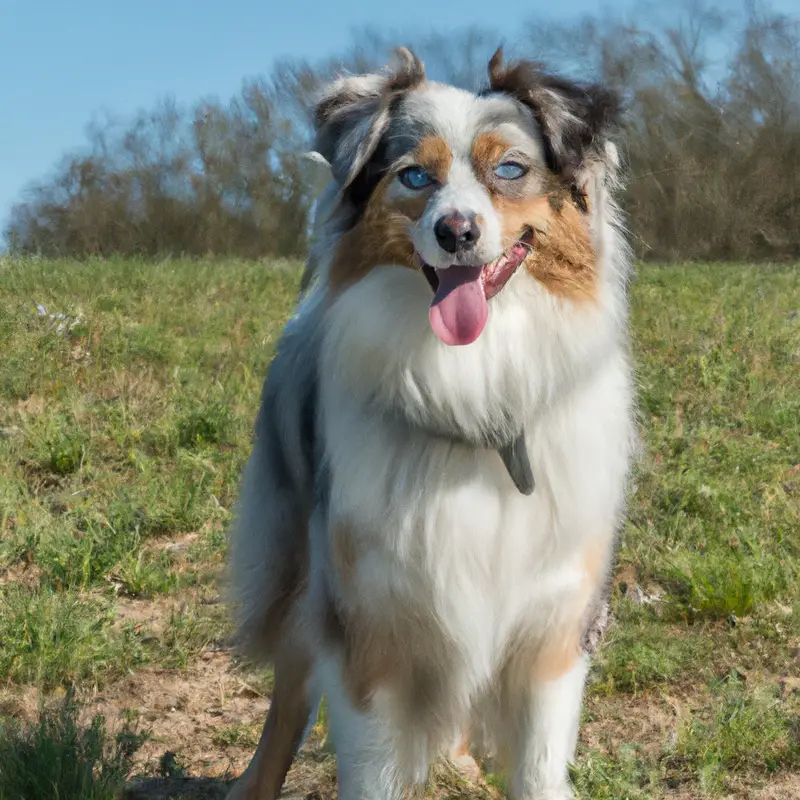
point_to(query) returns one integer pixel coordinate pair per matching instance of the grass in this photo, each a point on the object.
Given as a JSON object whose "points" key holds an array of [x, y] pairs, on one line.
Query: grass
{"points": [[743, 731], [122, 436], [57, 756], [52, 639]]}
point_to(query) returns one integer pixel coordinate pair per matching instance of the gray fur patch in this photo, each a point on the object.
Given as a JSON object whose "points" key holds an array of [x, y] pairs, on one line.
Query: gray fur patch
{"points": [[352, 118], [286, 421]]}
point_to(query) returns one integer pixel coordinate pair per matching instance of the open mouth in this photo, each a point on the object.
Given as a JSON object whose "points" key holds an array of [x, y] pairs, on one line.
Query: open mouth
{"points": [[459, 309]]}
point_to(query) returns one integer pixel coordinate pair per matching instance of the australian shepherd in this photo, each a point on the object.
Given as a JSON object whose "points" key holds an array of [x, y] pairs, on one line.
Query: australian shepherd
{"points": [[427, 522]]}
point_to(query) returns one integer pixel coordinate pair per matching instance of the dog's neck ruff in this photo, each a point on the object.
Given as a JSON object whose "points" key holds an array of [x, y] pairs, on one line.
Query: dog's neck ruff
{"points": [[511, 448]]}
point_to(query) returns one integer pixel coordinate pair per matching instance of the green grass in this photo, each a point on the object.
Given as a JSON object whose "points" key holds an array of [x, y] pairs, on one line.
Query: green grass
{"points": [[735, 733], [58, 757], [745, 730], [122, 440], [714, 520], [52, 638]]}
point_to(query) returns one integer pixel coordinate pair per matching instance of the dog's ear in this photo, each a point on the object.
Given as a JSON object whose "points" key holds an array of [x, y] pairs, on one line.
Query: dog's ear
{"points": [[576, 120], [353, 113]]}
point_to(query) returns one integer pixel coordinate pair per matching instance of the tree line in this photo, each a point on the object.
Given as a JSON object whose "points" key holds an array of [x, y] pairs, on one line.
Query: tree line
{"points": [[711, 141]]}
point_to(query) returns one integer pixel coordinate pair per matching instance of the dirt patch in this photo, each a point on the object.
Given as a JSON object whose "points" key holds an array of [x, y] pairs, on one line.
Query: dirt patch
{"points": [[187, 712], [20, 702], [783, 787], [651, 720], [152, 614], [33, 406], [204, 722], [22, 574]]}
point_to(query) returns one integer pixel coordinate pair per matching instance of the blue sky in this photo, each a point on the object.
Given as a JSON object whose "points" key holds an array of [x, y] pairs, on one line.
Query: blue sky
{"points": [[64, 61]]}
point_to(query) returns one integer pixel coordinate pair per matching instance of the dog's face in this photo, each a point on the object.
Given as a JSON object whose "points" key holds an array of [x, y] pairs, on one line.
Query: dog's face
{"points": [[464, 188]]}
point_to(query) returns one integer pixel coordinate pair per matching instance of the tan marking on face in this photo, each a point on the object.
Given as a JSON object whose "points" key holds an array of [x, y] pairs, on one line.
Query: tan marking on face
{"points": [[516, 216], [433, 154], [487, 150], [382, 235], [563, 259]]}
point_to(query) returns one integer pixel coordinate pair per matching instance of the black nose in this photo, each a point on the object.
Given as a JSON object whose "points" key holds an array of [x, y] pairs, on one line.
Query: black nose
{"points": [[457, 233]]}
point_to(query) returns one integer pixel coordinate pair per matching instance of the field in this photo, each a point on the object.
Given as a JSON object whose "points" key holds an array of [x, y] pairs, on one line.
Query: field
{"points": [[123, 428]]}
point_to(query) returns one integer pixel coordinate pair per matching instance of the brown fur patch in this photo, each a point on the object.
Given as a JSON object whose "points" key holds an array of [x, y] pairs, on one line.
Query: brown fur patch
{"points": [[379, 237], [563, 258], [370, 653], [380, 651], [558, 654], [382, 236], [462, 746], [487, 150]]}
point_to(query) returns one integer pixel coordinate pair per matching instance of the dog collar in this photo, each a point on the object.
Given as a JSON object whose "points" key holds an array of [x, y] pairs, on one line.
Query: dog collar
{"points": [[513, 454]]}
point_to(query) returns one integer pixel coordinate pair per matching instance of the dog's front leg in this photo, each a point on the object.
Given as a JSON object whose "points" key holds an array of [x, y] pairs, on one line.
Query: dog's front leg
{"points": [[543, 717], [378, 756]]}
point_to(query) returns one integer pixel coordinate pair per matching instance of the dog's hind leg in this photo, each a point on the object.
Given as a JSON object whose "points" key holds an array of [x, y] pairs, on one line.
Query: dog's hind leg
{"points": [[288, 722]]}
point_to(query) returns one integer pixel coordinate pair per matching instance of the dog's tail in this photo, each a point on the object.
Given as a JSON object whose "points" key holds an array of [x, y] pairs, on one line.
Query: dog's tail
{"points": [[269, 553], [269, 548]]}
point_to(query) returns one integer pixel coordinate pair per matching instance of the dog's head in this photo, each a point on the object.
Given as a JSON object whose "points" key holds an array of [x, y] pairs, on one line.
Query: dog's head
{"points": [[467, 188]]}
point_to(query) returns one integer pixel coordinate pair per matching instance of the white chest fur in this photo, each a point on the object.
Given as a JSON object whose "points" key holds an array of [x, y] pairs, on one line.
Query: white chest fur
{"points": [[437, 525]]}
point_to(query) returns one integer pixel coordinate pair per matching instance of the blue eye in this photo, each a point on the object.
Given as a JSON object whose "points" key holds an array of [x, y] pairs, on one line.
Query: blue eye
{"points": [[415, 178], [509, 170]]}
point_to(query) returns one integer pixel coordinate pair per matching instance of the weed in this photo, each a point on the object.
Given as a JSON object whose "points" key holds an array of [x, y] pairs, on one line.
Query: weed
{"points": [[58, 757], [54, 638], [203, 425], [238, 735]]}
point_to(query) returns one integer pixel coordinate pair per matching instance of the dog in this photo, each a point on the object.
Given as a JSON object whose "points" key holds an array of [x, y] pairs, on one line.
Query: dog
{"points": [[428, 520]]}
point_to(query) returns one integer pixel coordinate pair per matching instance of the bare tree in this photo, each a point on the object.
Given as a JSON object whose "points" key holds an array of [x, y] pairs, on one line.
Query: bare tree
{"points": [[711, 139]]}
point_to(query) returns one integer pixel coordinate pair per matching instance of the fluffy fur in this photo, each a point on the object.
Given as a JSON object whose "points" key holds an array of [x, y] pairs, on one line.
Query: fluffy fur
{"points": [[382, 554]]}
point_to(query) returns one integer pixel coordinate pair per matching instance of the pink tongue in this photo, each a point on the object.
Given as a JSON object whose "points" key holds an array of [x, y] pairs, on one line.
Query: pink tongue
{"points": [[459, 310]]}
